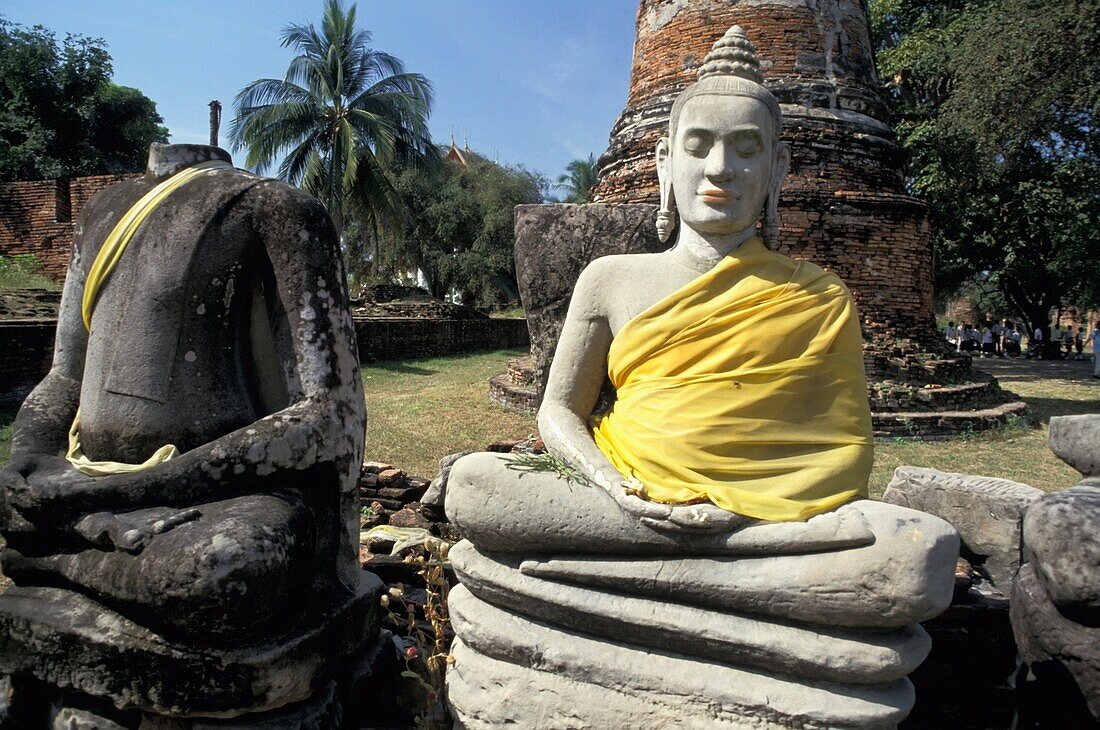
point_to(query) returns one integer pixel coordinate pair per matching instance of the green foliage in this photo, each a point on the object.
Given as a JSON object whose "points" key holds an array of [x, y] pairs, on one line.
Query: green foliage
{"points": [[549, 464], [61, 116], [578, 179], [997, 103], [24, 271], [460, 231], [342, 118]]}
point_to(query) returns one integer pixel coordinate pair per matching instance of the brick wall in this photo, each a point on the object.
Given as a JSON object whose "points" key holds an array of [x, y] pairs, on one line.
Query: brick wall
{"points": [[37, 217]]}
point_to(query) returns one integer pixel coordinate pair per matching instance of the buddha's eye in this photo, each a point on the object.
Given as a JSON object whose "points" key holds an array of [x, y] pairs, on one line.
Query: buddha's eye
{"points": [[697, 144], [748, 144]]}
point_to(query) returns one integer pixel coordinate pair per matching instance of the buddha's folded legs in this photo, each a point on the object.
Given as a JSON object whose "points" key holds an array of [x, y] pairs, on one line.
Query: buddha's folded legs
{"points": [[504, 510], [224, 573]]}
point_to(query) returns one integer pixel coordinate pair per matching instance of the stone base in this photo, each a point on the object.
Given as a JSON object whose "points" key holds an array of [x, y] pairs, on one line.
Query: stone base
{"points": [[586, 682], [64, 640]]}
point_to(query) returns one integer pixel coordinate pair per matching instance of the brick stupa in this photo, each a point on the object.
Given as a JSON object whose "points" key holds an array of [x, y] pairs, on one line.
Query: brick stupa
{"points": [[843, 206]]}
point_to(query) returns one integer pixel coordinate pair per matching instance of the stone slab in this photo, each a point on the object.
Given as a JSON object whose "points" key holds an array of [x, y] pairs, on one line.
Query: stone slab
{"points": [[553, 245], [802, 650], [66, 639], [533, 675], [986, 511]]}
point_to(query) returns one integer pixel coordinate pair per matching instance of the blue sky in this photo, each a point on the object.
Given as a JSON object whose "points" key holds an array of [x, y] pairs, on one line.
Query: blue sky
{"points": [[531, 83]]}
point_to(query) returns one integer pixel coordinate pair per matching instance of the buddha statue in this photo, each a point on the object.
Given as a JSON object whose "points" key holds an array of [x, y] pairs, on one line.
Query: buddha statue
{"points": [[185, 474], [702, 552]]}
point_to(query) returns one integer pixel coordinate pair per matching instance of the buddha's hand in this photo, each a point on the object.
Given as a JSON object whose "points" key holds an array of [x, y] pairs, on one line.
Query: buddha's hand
{"points": [[31, 482], [687, 518]]}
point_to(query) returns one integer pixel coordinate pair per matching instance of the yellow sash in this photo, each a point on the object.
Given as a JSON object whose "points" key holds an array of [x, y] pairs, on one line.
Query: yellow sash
{"points": [[109, 254], [745, 388]]}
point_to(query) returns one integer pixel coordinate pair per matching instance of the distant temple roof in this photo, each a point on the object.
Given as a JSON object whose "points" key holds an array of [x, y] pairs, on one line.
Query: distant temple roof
{"points": [[455, 155]]}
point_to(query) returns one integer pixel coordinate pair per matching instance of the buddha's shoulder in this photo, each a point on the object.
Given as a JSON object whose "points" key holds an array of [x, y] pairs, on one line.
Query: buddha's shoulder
{"points": [[624, 264], [807, 275]]}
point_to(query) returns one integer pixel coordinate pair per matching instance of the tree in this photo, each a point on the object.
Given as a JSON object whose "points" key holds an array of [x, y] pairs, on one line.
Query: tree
{"points": [[60, 114], [343, 117], [996, 101], [460, 231], [578, 179]]}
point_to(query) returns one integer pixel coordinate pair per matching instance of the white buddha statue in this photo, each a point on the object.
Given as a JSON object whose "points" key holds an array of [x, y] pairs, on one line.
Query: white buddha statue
{"points": [[711, 561]]}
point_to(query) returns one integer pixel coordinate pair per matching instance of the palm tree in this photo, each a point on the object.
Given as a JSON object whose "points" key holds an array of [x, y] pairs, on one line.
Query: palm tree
{"points": [[578, 179], [343, 117]]}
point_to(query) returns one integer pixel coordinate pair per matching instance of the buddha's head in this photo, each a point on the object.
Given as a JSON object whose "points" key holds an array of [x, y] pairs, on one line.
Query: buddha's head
{"points": [[722, 159]]}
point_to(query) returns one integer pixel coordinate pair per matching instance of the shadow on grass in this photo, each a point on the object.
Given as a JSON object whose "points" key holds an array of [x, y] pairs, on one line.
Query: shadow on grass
{"points": [[1033, 371], [397, 366], [1044, 408]]}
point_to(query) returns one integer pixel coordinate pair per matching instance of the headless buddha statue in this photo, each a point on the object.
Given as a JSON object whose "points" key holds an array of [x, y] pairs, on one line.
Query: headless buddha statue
{"points": [[714, 546], [208, 491]]}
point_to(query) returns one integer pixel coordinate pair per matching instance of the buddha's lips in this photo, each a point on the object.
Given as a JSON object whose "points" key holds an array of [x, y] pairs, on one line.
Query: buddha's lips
{"points": [[715, 195]]}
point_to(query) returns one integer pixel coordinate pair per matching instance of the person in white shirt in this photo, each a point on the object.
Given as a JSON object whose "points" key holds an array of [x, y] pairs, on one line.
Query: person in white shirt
{"points": [[950, 333], [1094, 338], [1035, 344]]}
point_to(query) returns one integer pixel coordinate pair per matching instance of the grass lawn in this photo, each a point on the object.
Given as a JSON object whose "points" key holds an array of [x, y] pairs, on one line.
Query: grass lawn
{"points": [[6, 419], [421, 410]]}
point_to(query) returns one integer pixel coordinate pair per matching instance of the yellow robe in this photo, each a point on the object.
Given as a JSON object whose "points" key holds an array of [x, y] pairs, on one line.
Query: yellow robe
{"points": [[746, 388]]}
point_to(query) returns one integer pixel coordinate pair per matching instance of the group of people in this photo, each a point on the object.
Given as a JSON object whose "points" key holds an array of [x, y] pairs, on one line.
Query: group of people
{"points": [[1004, 339], [990, 340]]}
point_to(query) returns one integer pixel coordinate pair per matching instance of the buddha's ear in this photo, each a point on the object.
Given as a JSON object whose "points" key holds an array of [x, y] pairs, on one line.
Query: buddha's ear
{"points": [[664, 173], [779, 170], [771, 202]]}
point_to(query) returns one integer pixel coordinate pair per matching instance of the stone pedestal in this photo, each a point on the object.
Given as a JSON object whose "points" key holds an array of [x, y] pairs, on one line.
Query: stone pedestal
{"points": [[75, 663], [571, 613]]}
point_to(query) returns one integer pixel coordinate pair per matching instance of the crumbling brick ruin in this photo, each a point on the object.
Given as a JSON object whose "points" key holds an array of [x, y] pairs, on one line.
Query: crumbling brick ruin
{"points": [[844, 205], [37, 217]]}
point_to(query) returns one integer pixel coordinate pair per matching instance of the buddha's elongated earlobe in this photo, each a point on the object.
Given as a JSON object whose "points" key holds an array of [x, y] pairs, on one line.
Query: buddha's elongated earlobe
{"points": [[771, 203], [666, 221]]}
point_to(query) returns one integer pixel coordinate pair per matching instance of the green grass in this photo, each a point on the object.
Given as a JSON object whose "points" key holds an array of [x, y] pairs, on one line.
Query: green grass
{"points": [[6, 420], [509, 313], [1018, 452], [421, 410], [24, 271]]}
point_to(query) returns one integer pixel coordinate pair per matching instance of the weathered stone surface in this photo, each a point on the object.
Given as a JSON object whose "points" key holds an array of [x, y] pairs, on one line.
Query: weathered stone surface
{"points": [[1061, 539], [437, 490], [986, 512], [223, 580], [69, 640], [1047, 640], [553, 244], [1076, 441], [805, 650], [546, 605], [584, 682]]}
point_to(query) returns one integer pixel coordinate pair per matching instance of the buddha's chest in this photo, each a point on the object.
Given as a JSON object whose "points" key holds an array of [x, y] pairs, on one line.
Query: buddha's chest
{"points": [[170, 314]]}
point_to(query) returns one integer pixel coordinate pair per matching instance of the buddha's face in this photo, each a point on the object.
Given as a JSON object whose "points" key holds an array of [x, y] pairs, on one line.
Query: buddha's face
{"points": [[721, 162]]}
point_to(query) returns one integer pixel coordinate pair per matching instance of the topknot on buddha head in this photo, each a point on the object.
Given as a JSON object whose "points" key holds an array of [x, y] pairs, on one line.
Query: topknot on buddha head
{"points": [[731, 68]]}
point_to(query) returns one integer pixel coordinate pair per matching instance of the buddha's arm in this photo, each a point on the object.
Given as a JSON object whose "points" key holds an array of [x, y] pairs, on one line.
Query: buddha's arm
{"points": [[576, 377], [42, 425], [323, 424]]}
